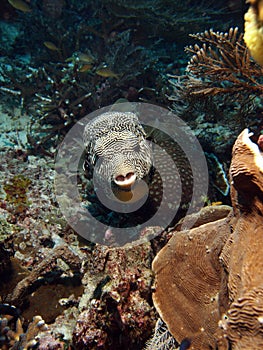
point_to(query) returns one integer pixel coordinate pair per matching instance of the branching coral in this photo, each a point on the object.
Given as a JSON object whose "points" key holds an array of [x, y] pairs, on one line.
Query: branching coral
{"points": [[219, 94], [218, 70], [28, 339], [125, 40], [16, 338], [59, 94], [20, 81], [224, 63]]}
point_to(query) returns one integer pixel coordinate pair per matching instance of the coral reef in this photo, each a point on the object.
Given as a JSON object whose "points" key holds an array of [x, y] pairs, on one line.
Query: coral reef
{"points": [[58, 95], [47, 265], [60, 61], [168, 19], [186, 297], [224, 61], [89, 295], [214, 297], [241, 257]]}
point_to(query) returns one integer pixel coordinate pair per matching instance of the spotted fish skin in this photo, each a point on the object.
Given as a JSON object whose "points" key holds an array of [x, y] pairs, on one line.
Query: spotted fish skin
{"points": [[116, 144]]}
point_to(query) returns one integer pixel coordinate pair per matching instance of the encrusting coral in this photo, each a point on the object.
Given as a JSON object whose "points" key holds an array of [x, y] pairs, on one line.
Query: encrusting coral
{"points": [[214, 297], [186, 297], [16, 193], [242, 255]]}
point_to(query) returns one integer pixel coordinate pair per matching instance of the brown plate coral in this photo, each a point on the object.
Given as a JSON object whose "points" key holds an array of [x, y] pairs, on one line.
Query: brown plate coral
{"points": [[209, 280]]}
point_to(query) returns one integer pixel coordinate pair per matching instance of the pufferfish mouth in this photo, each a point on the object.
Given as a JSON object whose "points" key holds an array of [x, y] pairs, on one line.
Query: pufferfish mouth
{"points": [[125, 181]]}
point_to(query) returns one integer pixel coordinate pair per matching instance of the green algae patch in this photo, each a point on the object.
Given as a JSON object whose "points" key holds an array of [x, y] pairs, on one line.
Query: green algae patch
{"points": [[16, 190]]}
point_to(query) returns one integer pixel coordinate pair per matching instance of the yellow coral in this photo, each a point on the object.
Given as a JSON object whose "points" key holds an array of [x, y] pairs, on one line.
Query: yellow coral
{"points": [[253, 36]]}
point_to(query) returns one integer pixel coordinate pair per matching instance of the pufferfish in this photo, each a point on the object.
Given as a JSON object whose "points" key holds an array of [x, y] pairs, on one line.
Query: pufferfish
{"points": [[127, 166], [117, 152], [253, 35]]}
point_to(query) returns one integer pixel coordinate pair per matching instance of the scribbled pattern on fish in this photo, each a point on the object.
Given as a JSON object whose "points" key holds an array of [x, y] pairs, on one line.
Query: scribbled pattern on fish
{"points": [[118, 142]]}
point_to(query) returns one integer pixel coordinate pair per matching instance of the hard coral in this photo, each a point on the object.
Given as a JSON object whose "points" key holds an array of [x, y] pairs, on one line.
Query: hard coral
{"points": [[17, 338], [214, 297], [167, 18], [219, 95], [242, 255], [186, 297]]}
